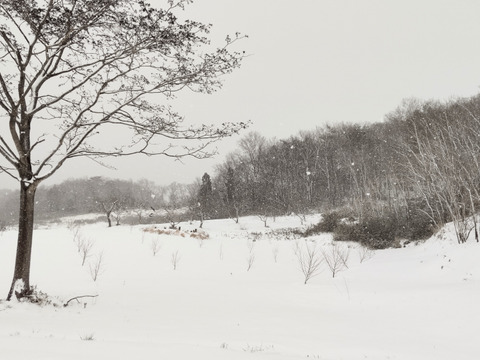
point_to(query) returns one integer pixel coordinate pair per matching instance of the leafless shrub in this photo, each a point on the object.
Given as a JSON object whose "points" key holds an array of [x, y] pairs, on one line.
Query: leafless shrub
{"points": [[275, 251], [344, 256], [175, 259], [96, 267], [251, 254], [250, 260], [118, 217], [76, 231], [250, 245], [336, 258], [364, 253], [155, 246], [220, 252], [85, 247], [78, 238], [309, 260], [297, 248]]}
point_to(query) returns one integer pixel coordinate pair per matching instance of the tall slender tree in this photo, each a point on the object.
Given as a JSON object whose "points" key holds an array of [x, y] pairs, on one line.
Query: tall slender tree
{"points": [[205, 198]]}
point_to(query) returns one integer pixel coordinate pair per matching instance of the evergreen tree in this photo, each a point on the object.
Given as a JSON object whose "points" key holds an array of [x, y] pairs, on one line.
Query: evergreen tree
{"points": [[232, 199], [205, 198]]}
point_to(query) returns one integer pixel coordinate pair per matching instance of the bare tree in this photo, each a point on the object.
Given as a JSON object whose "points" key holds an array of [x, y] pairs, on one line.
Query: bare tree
{"points": [[108, 209], [309, 260], [442, 161], [263, 216], [336, 258], [73, 71]]}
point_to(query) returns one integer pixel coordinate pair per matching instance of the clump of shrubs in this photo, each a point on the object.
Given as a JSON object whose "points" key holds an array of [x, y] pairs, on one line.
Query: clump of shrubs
{"points": [[285, 234], [196, 233], [417, 226], [374, 231], [329, 222]]}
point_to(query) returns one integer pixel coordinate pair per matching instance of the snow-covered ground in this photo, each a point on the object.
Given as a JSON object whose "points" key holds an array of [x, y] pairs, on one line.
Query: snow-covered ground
{"points": [[239, 294]]}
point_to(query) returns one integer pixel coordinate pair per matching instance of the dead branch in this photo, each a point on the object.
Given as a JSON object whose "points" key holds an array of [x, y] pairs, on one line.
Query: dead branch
{"points": [[79, 297]]}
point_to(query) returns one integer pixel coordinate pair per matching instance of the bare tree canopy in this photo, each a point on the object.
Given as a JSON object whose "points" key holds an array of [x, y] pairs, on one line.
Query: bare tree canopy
{"points": [[74, 73]]}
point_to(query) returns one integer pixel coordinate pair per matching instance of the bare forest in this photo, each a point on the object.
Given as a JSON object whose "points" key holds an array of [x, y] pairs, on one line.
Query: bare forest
{"points": [[402, 178]]}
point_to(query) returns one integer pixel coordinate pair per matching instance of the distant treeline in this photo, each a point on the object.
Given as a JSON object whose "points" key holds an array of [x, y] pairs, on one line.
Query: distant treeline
{"points": [[413, 172], [96, 195]]}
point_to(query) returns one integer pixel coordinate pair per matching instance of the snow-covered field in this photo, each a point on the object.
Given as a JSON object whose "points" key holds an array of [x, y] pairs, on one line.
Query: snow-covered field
{"points": [[239, 294]]}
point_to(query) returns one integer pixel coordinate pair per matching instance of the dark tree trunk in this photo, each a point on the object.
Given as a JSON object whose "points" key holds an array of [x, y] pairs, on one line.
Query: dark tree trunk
{"points": [[21, 278], [108, 211]]}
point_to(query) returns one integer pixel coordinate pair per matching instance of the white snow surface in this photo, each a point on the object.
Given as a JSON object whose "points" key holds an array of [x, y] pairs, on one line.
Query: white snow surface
{"points": [[418, 302]]}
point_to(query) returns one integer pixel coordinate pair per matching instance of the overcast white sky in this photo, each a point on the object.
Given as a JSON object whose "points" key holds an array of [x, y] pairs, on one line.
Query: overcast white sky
{"points": [[317, 62]]}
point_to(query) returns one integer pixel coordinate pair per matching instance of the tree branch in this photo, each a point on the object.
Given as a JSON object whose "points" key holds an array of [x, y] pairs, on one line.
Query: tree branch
{"points": [[79, 297]]}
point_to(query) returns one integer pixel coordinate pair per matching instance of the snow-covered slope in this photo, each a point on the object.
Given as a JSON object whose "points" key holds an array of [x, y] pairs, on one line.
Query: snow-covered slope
{"points": [[240, 294]]}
